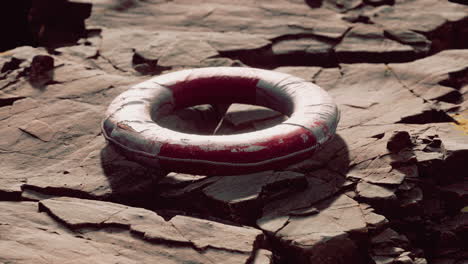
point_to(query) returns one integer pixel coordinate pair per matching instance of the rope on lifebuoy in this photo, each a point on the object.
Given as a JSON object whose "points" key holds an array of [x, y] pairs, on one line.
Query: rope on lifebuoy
{"points": [[130, 125]]}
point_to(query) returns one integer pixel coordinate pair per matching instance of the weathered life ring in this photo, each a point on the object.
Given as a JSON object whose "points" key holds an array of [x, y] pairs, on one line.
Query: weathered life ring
{"points": [[130, 125]]}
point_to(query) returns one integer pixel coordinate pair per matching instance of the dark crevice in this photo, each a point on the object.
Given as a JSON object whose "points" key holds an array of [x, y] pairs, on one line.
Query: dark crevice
{"points": [[378, 136], [456, 79], [462, 2], [377, 57], [10, 196], [453, 97], [58, 191], [379, 2], [9, 101], [331, 41], [259, 58], [11, 65], [146, 66], [450, 35], [428, 116], [314, 3], [266, 58]]}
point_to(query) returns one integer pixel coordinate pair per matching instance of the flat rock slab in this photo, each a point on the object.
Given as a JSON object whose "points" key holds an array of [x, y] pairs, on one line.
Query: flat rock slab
{"points": [[100, 229], [313, 235]]}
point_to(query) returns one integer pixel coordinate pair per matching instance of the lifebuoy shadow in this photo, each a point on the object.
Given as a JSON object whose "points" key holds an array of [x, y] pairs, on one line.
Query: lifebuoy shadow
{"points": [[138, 185], [130, 183], [325, 176]]}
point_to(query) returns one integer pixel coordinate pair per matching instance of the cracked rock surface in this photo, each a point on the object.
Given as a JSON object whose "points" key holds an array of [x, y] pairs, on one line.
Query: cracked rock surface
{"points": [[390, 188]]}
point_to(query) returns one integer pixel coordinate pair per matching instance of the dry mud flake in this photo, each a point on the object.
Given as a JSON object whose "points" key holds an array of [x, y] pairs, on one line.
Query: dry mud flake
{"points": [[78, 231]]}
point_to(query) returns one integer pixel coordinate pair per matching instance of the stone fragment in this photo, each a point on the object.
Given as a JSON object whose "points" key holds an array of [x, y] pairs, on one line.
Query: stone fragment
{"points": [[77, 213], [240, 198], [398, 141], [373, 220], [320, 185], [247, 187], [315, 236], [32, 195], [404, 260], [40, 71], [40, 130], [241, 114], [388, 251], [203, 234], [389, 237], [200, 119], [10, 189], [180, 179], [22, 105], [411, 198], [374, 192], [414, 39], [380, 172], [263, 256], [382, 259], [82, 51]]}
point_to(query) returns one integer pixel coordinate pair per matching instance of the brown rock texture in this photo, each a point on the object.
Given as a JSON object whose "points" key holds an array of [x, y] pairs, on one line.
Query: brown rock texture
{"points": [[390, 188]]}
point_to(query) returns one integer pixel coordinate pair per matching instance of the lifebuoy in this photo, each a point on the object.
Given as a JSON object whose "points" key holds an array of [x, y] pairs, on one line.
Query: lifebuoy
{"points": [[130, 121]]}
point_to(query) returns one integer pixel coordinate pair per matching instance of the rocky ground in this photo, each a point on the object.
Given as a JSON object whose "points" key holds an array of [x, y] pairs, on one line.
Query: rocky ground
{"points": [[390, 188]]}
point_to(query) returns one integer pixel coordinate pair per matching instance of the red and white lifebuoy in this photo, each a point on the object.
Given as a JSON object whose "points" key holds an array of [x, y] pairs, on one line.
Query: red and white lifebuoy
{"points": [[130, 121]]}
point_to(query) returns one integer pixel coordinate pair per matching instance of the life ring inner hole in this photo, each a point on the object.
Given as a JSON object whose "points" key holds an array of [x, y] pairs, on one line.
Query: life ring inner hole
{"points": [[218, 91], [215, 120]]}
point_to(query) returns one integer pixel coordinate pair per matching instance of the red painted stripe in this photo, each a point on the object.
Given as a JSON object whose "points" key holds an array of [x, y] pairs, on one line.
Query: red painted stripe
{"points": [[214, 89], [273, 147], [222, 169]]}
